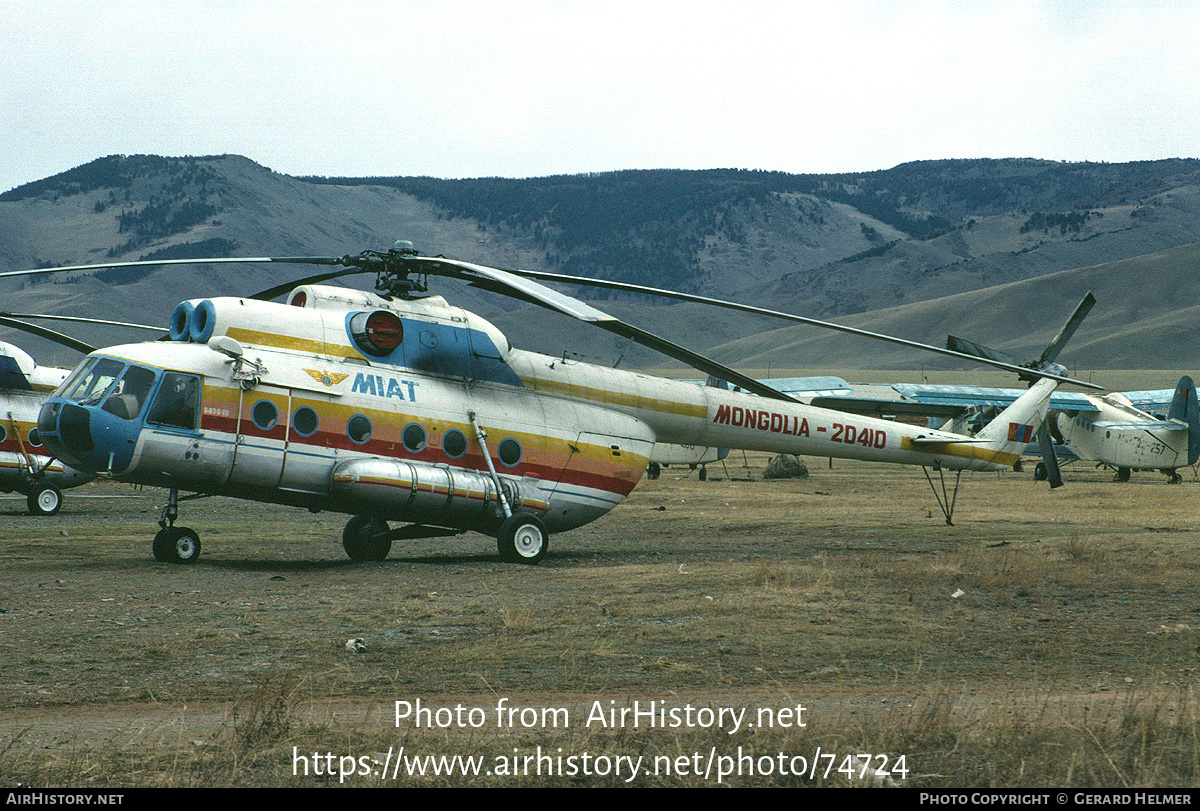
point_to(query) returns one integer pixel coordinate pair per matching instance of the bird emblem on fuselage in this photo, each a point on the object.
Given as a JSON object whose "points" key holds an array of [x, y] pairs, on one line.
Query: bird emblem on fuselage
{"points": [[326, 378]]}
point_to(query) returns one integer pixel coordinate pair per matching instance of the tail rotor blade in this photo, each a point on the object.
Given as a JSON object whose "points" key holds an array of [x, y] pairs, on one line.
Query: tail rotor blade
{"points": [[1053, 475], [1068, 330]]}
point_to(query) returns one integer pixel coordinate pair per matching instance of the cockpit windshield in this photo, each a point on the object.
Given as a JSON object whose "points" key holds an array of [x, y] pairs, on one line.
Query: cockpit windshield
{"points": [[130, 392], [122, 388], [96, 381]]}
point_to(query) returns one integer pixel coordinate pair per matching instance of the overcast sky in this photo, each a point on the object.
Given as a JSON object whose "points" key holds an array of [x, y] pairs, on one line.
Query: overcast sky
{"points": [[465, 88]]}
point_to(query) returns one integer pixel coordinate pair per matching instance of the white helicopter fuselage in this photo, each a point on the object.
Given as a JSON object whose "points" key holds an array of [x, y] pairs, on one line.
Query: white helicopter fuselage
{"points": [[25, 466], [417, 411]]}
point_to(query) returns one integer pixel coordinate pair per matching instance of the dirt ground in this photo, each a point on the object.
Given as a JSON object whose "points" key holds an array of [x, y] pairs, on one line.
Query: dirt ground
{"points": [[845, 593]]}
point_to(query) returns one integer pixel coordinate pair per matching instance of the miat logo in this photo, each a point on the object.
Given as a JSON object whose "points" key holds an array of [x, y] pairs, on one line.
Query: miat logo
{"points": [[379, 386], [326, 378]]}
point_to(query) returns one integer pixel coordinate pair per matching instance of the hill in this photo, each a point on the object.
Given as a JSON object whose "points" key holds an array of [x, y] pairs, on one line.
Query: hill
{"points": [[892, 243]]}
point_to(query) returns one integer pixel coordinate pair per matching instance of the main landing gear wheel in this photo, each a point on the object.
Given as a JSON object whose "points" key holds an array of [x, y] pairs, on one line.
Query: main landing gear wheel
{"points": [[361, 538], [523, 539], [1039, 472], [176, 545], [46, 500]]}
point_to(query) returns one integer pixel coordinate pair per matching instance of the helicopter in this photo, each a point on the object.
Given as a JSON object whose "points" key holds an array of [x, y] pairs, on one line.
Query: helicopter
{"points": [[395, 405], [24, 465]]}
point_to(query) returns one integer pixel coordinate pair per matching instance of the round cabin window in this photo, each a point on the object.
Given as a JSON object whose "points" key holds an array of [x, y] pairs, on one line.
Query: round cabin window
{"points": [[454, 443], [265, 415], [359, 429], [414, 438], [305, 421]]}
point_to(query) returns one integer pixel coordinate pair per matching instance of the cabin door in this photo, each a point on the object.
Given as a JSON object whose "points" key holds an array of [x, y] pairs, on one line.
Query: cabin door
{"points": [[260, 451]]}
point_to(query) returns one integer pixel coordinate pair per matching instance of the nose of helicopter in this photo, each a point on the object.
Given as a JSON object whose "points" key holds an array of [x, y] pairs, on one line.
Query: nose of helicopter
{"points": [[84, 437]]}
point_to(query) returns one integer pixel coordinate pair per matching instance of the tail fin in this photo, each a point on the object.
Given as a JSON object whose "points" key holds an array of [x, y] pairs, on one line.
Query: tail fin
{"points": [[1016, 426], [1185, 410]]}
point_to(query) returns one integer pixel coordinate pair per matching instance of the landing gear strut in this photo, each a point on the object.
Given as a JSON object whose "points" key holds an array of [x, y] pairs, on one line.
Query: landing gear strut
{"points": [[946, 500], [175, 544]]}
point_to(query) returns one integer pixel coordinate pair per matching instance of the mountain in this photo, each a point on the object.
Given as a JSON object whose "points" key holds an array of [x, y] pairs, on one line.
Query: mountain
{"points": [[974, 247]]}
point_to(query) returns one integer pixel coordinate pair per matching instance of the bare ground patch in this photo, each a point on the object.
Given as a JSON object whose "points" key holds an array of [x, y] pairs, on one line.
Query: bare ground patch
{"points": [[1048, 635]]}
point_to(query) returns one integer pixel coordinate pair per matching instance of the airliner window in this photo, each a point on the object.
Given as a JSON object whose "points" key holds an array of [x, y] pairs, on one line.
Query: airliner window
{"points": [[130, 393], [178, 402], [97, 381], [509, 451]]}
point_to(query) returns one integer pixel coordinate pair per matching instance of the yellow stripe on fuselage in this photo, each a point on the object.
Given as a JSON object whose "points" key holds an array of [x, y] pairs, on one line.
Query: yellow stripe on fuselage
{"points": [[616, 398], [292, 343], [960, 450]]}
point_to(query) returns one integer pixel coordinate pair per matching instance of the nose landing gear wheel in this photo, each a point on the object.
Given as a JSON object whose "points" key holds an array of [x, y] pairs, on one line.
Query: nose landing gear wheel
{"points": [[176, 545], [523, 539], [46, 500]]}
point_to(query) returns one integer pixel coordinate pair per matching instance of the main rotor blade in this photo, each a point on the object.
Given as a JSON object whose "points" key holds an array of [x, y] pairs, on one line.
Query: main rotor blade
{"points": [[510, 284], [978, 350], [83, 320], [145, 263], [799, 319], [287, 287], [1064, 334], [49, 334]]}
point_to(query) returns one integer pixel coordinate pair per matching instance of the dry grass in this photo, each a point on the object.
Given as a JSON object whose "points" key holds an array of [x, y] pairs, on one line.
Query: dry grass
{"points": [[1044, 640]]}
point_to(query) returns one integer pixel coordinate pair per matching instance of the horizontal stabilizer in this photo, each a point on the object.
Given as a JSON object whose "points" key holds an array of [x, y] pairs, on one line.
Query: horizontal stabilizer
{"points": [[941, 439]]}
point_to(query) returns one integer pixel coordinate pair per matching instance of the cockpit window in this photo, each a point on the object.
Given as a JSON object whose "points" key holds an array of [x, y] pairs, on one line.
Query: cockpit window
{"points": [[178, 402], [97, 381], [68, 385], [130, 393]]}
